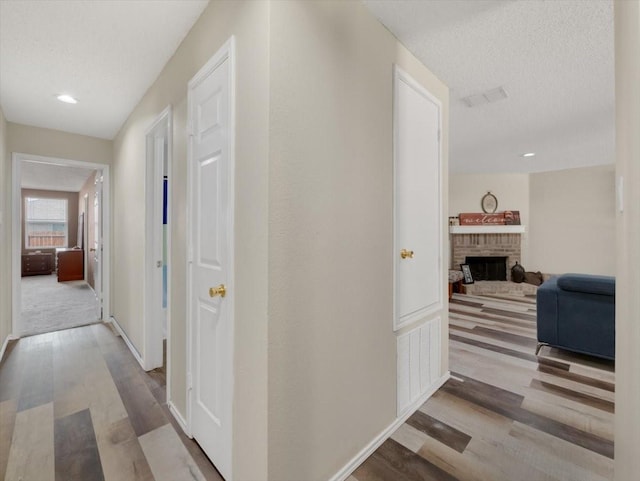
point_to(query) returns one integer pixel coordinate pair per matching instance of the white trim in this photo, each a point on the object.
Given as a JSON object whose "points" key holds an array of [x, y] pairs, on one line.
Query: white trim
{"points": [[16, 226], [85, 238], [386, 433], [106, 243], [400, 75], [179, 418], [225, 52], [16, 250], [127, 341], [426, 314], [5, 344], [159, 131], [487, 229], [169, 263]]}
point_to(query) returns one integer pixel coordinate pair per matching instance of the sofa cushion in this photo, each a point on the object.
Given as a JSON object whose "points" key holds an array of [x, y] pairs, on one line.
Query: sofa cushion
{"points": [[589, 284]]}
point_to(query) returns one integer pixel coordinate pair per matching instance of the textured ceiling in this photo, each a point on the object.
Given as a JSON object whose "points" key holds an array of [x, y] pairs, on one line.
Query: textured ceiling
{"points": [[555, 59], [107, 53], [37, 175]]}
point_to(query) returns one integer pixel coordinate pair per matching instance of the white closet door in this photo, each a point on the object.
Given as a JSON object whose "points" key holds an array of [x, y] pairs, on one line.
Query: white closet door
{"points": [[418, 207]]}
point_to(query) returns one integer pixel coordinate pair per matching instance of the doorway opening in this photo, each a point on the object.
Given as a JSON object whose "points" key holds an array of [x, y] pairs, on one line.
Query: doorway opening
{"points": [[54, 286]]}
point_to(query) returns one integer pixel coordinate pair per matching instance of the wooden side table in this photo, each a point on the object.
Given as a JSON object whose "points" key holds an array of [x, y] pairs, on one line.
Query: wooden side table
{"points": [[455, 279]]}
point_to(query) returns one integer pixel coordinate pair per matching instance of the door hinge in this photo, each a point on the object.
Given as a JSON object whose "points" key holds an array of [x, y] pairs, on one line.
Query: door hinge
{"points": [[439, 135], [189, 382]]}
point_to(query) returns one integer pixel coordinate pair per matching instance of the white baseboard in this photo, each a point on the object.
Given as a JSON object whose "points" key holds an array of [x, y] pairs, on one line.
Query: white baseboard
{"points": [[172, 409], [181, 420], [127, 341], [368, 450], [5, 344]]}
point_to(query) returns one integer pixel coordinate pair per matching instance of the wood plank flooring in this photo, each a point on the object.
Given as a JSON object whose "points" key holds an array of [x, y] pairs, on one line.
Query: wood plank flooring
{"points": [[506, 414], [75, 405]]}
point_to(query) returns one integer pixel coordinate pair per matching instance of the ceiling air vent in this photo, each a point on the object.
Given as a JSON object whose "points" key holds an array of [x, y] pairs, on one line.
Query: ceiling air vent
{"points": [[488, 97]]}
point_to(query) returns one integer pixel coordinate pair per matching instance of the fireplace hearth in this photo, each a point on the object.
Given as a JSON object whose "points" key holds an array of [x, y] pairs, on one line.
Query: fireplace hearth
{"points": [[487, 268]]}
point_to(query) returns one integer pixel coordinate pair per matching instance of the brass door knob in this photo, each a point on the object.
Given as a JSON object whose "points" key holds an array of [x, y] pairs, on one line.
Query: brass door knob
{"points": [[404, 253], [221, 291]]}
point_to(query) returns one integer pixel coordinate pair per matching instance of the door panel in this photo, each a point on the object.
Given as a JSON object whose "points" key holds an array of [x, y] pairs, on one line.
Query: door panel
{"points": [[208, 393], [418, 365], [211, 237], [418, 279], [209, 233]]}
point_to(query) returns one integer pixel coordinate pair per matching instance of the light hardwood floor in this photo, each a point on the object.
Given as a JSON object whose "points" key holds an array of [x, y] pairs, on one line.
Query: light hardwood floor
{"points": [[506, 414], [75, 405]]}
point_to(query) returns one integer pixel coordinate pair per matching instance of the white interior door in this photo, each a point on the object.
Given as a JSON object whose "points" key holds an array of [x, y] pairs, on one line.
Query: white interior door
{"points": [[418, 224], [97, 244], [154, 314], [210, 273]]}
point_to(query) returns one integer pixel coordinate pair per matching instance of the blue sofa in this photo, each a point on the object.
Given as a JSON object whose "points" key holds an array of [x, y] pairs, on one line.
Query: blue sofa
{"points": [[577, 312]]}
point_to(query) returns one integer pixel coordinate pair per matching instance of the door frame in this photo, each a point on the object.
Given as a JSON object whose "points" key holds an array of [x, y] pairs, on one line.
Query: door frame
{"points": [[85, 235], [16, 226], [159, 130], [98, 226], [226, 52]]}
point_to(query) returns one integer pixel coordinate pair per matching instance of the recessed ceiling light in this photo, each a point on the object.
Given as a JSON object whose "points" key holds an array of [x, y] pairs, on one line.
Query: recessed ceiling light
{"points": [[529, 154], [67, 99]]}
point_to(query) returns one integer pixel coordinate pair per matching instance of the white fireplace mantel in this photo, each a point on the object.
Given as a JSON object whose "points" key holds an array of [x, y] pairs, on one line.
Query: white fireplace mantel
{"points": [[486, 229]]}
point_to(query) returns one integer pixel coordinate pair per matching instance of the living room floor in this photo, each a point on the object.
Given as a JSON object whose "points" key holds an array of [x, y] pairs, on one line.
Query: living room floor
{"points": [[505, 414]]}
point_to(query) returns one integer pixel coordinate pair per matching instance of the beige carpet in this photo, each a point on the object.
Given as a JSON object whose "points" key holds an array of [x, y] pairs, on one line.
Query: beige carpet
{"points": [[49, 305]]}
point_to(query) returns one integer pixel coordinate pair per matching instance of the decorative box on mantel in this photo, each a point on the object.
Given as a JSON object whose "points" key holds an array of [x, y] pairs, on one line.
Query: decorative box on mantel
{"points": [[486, 229], [487, 241]]}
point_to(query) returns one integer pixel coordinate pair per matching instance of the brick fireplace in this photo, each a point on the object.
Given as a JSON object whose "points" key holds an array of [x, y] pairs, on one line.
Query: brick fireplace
{"points": [[486, 245]]}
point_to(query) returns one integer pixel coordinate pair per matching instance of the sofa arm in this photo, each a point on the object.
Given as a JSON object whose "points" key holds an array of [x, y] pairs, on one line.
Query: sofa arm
{"points": [[547, 311], [588, 284]]}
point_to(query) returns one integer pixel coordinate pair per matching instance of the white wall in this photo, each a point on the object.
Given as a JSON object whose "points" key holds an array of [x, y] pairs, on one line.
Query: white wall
{"points": [[332, 352], [5, 235], [568, 214], [627, 433], [511, 190], [572, 227], [314, 129], [249, 22], [55, 143]]}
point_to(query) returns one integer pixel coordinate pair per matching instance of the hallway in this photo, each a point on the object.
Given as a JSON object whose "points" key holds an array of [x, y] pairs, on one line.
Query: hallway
{"points": [[75, 405]]}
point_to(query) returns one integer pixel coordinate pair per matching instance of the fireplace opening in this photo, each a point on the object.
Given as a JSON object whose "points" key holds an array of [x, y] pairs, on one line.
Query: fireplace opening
{"points": [[488, 268]]}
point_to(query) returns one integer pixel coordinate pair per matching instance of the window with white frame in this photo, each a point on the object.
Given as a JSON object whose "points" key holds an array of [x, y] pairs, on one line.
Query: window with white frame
{"points": [[46, 223]]}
